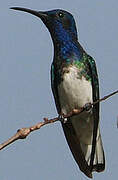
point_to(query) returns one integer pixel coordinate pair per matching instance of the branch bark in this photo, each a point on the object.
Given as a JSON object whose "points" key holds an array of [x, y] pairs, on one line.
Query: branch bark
{"points": [[24, 132]]}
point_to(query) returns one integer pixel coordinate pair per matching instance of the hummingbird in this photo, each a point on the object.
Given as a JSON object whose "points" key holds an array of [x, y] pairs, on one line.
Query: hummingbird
{"points": [[74, 82]]}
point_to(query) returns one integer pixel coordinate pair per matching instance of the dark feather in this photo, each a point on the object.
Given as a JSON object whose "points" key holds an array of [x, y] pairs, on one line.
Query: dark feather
{"points": [[95, 87]]}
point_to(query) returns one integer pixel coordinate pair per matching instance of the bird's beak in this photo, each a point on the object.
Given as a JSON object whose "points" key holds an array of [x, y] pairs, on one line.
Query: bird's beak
{"points": [[42, 15]]}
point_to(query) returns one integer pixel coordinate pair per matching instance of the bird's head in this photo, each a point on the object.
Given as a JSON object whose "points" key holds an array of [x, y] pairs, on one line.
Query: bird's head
{"points": [[60, 23]]}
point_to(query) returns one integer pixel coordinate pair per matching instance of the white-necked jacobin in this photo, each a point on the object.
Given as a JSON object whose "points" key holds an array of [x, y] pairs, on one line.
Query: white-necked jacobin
{"points": [[74, 82]]}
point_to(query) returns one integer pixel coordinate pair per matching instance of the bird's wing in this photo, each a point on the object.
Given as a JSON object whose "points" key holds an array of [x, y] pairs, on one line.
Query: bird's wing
{"points": [[95, 88]]}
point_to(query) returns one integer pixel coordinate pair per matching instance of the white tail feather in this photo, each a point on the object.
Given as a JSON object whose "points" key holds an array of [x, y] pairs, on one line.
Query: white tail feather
{"points": [[99, 153]]}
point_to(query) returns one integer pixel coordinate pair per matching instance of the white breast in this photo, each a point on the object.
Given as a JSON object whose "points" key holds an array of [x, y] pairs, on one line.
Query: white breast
{"points": [[74, 92]]}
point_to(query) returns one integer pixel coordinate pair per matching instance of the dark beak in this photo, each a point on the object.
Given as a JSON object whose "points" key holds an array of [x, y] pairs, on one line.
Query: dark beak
{"points": [[42, 15]]}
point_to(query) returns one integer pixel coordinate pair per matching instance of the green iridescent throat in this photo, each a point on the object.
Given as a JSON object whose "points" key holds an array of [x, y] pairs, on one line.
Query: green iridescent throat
{"points": [[83, 67]]}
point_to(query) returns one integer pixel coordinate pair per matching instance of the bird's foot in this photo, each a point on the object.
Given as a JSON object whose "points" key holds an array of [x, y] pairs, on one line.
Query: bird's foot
{"points": [[62, 118], [88, 106]]}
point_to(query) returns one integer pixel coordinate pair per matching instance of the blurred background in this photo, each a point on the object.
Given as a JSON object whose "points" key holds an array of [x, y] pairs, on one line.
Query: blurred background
{"points": [[26, 53]]}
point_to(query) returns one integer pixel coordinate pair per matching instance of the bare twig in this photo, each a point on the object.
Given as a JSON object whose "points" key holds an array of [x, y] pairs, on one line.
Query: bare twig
{"points": [[105, 97], [24, 132]]}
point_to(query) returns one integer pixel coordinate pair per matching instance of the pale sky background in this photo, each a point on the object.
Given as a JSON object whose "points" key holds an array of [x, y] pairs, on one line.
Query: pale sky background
{"points": [[26, 53]]}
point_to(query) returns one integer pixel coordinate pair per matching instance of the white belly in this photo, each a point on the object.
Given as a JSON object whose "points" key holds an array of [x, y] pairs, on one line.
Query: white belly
{"points": [[75, 93]]}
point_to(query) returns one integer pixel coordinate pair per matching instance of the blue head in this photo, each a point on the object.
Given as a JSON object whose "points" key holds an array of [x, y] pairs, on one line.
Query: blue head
{"points": [[61, 26]]}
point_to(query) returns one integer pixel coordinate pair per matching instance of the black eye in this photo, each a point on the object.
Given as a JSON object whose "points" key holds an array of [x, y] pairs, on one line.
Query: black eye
{"points": [[60, 14]]}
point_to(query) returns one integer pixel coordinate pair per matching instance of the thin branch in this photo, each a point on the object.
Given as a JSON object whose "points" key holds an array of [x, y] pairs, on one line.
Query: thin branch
{"points": [[24, 132], [105, 97]]}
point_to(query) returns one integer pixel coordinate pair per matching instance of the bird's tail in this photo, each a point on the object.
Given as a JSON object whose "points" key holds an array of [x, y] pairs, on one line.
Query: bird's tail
{"points": [[99, 158], [82, 151]]}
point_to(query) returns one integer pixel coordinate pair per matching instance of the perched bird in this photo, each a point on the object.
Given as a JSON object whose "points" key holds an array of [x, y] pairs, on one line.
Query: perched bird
{"points": [[74, 83]]}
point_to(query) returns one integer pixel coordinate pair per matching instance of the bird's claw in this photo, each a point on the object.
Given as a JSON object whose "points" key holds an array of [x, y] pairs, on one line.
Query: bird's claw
{"points": [[62, 118], [88, 106]]}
